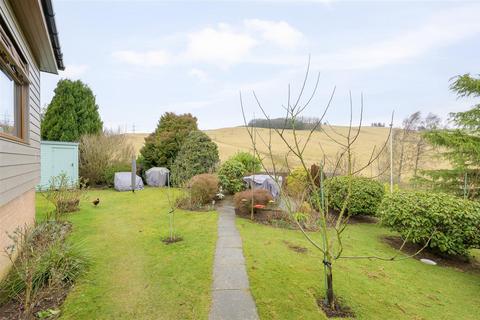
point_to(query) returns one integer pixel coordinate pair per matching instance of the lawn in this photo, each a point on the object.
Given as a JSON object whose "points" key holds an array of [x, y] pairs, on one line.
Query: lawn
{"points": [[285, 283], [133, 274]]}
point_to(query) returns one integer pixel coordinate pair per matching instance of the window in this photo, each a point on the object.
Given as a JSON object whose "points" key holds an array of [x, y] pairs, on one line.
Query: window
{"points": [[13, 88], [9, 115]]}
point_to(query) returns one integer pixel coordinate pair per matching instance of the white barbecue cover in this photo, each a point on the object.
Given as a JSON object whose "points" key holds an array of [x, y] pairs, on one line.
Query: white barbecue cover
{"points": [[123, 181], [264, 181], [157, 176]]}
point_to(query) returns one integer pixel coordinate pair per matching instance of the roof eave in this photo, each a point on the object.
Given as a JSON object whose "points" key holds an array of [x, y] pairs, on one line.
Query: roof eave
{"points": [[36, 18], [49, 15]]}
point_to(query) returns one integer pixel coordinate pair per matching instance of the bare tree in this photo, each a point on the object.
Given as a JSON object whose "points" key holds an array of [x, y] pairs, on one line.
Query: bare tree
{"points": [[422, 146], [331, 229], [403, 140]]}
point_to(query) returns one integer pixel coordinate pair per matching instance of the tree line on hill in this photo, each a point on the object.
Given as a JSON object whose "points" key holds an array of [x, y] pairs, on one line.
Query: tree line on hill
{"points": [[302, 123]]}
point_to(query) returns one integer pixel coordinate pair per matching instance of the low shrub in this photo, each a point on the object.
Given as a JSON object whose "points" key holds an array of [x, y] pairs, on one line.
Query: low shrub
{"points": [[203, 187], [243, 199], [45, 263], [366, 194], [64, 194], [231, 174], [297, 184], [198, 154], [251, 163], [98, 152], [452, 223], [306, 217], [200, 191]]}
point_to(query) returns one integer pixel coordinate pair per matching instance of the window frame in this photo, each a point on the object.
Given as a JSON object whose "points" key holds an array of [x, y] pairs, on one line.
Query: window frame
{"points": [[15, 67]]}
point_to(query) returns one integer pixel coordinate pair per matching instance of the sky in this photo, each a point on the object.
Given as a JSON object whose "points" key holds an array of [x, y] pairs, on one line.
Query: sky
{"points": [[144, 58]]}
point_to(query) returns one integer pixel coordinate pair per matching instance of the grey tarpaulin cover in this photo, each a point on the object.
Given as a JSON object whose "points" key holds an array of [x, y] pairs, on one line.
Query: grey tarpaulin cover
{"points": [[157, 176], [264, 181], [123, 181]]}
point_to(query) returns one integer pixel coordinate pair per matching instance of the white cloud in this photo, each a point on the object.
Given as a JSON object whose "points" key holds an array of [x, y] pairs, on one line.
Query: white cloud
{"points": [[199, 74], [441, 30], [277, 32], [145, 59], [74, 70], [221, 46], [224, 45]]}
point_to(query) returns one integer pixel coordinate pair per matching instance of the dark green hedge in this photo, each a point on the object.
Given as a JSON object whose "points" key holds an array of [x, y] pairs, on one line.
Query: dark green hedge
{"points": [[454, 222], [364, 198], [231, 174], [198, 154]]}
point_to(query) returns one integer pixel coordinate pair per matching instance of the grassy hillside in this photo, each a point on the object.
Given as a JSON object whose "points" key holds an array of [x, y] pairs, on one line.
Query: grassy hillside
{"points": [[231, 140]]}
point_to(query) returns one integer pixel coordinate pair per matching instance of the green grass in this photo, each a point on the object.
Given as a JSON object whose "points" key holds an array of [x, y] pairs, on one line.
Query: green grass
{"points": [[133, 274], [285, 283]]}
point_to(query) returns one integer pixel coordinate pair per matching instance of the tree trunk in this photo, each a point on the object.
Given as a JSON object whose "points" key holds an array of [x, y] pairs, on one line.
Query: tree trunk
{"points": [[417, 158], [400, 165], [330, 297]]}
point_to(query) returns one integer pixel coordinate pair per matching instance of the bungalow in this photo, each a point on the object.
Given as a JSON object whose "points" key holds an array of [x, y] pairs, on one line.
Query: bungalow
{"points": [[28, 45]]}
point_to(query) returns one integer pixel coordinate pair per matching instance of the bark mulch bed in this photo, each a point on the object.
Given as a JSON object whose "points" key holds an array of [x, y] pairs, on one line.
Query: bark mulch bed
{"points": [[263, 215], [168, 240], [340, 311], [354, 219], [52, 300], [296, 248], [49, 298], [460, 263]]}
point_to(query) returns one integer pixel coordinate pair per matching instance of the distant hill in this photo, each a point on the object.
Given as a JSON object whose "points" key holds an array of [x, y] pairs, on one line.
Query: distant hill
{"points": [[231, 140]]}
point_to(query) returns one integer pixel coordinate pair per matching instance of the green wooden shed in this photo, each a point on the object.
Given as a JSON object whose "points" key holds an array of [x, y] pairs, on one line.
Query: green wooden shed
{"points": [[56, 158]]}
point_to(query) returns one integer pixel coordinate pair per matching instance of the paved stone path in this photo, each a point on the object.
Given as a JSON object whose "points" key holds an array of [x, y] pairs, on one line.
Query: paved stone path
{"points": [[231, 294]]}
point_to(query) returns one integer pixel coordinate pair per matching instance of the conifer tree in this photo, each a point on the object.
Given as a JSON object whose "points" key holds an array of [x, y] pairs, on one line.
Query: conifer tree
{"points": [[461, 145], [71, 113]]}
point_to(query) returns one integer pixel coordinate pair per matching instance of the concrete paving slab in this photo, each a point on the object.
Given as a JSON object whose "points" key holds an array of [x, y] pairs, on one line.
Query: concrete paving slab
{"points": [[229, 242], [230, 277], [233, 305]]}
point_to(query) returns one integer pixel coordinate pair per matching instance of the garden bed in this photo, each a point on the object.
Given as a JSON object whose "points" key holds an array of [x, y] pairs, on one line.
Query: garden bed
{"points": [[263, 215], [49, 304], [51, 295], [353, 219], [279, 218], [457, 262]]}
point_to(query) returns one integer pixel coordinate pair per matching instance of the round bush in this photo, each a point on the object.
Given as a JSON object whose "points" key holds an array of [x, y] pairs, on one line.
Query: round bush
{"points": [[452, 223], [366, 194], [200, 191], [231, 174], [297, 184], [162, 146], [203, 188], [198, 154], [251, 163], [243, 199]]}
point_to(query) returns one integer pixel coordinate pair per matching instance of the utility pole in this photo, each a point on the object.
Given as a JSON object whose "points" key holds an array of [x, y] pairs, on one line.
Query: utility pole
{"points": [[391, 156]]}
